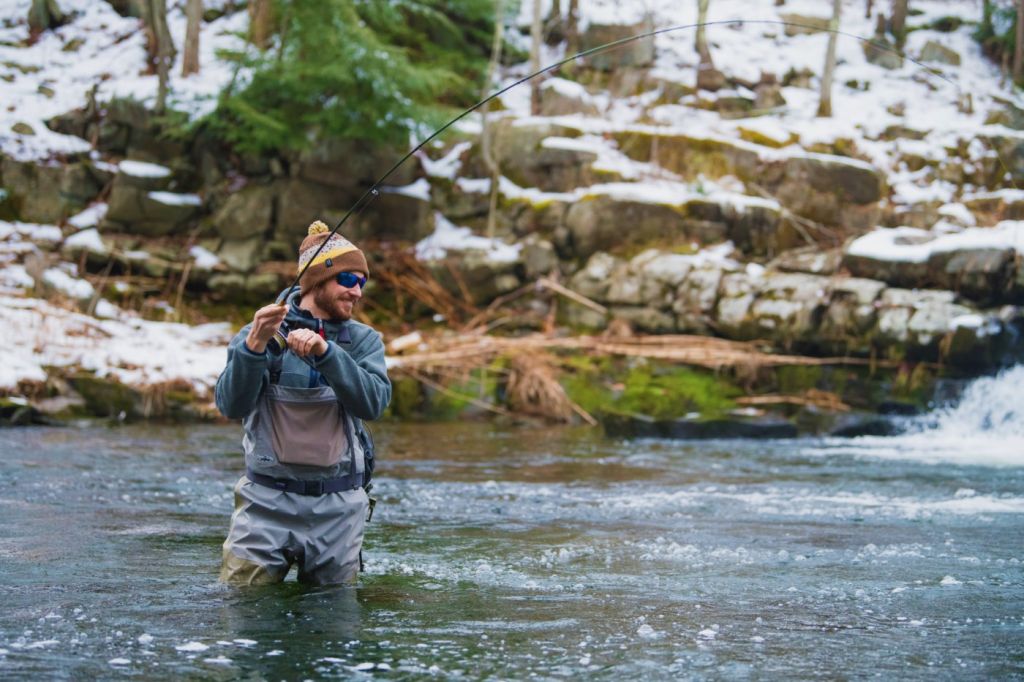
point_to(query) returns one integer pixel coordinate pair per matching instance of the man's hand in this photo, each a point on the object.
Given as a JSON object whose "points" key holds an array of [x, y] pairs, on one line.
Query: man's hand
{"points": [[265, 322], [306, 342]]}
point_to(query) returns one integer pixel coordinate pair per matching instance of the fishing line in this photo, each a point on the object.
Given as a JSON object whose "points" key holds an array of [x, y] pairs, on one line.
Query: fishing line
{"points": [[374, 190]]}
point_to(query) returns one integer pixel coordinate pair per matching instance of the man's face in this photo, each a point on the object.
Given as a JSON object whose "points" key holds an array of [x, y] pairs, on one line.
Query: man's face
{"points": [[335, 300]]}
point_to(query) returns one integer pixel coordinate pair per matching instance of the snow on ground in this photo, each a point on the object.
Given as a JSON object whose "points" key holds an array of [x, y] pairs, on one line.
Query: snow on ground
{"points": [[746, 40], [98, 48], [131, 350]]}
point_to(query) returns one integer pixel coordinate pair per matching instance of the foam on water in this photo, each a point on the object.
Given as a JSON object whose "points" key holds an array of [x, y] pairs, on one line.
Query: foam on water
{"points": [[986, 427]]}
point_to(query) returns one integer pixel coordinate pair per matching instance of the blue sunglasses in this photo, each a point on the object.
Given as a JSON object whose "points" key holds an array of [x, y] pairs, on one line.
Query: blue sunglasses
{"points": [[350, 279]]}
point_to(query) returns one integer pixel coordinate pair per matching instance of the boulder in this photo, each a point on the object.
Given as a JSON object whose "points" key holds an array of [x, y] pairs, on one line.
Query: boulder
{"points": [[811, 260], [539, 257], [985, 275], [394, 215], [475, 272], [828, 189], [940, 54], [912, 323], [600, 222], [299, 203], [47, 192], [802, 24], [983, 340], [351, 164], [138, 211], [561, 97], [849, 319], [636, 53], [242, 255], [594, 279], [732, 316], [881, 52], [789, 306], [642, 426], [246, 213], [644, 318], [696, 297]]}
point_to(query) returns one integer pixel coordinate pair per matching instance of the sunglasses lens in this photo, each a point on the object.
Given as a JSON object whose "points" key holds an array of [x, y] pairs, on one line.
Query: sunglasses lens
{"points": [[349, 280]]}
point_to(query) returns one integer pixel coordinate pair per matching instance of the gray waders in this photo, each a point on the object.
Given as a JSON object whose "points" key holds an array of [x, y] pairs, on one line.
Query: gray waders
{"points": [[301, 500]]}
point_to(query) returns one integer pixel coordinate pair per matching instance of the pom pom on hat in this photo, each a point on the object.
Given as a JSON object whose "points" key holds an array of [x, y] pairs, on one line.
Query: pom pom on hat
{"points": [[318, 227]]}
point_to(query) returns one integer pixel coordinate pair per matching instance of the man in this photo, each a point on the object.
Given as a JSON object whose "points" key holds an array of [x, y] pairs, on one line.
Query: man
{"points": [[303, 402]]}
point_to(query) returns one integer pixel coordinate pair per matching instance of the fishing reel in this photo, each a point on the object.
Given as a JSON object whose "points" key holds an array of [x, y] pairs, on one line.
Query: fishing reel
{"points": [[278, 343]]}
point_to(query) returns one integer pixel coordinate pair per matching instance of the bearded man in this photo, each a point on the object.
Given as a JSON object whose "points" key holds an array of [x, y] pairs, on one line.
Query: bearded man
{"points": [[303, 376]]}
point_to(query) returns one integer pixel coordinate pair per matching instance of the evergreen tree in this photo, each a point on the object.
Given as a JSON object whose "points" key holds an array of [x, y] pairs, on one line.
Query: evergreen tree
{"points": [[358, 70]]}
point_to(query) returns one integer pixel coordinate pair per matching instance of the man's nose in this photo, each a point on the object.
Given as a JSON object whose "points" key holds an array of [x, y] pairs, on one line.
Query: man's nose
{"points": [[356, 291]]}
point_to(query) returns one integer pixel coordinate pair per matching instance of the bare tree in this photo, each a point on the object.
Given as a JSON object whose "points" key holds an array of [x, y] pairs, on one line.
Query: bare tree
{"points": [[1018, 45], [44, 14], [708, 77], [898, 27], [825, 103], [535, 42], [193, 17], [159, 48], [486, 146], [572, 28], [261, 22]]}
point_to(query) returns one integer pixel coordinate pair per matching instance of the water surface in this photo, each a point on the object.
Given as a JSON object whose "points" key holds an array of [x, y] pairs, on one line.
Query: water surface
{"points": [[511, 553]]}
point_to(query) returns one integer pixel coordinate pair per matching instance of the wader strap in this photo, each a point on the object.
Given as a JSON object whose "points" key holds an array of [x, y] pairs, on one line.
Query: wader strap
{"points": [[320, 487]]}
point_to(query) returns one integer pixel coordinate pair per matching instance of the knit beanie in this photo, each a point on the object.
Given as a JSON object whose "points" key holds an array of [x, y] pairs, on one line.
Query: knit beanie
{"points": [[338, 255]]}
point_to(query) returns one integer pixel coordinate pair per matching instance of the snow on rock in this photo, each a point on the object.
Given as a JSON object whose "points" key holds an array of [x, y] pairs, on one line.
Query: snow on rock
{"points": [[87, 240], [447, 166], [449, 237], [204, 259], [913, 245], [420, 189], [173, 199], [66, 284], [142, 169], [90, 217]]}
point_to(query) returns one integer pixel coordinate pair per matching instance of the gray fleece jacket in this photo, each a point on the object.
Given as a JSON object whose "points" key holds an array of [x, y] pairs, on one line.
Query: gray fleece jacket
{"points": [[353, 367]]}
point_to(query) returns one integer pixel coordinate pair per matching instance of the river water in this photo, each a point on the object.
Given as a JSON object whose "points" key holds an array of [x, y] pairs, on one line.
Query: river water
{"points": [[545, 553]]}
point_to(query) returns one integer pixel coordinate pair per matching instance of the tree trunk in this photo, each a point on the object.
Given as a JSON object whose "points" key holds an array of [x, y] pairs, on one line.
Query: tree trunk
{"points": [[825, 103], [159, 48], [702, 42], [194, 17], [43, 15], [572, 28], [1018, 45], [867, 9], [261, 22], [486, 148], [535, 42], [899, 22]]}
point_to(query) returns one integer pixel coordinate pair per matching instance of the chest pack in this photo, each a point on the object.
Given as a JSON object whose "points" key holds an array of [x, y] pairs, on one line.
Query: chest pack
{"points": [[318, 414]]}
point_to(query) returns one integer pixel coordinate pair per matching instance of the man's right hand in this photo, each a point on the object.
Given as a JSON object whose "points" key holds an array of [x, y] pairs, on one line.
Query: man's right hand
{"points": [[265, 322]]}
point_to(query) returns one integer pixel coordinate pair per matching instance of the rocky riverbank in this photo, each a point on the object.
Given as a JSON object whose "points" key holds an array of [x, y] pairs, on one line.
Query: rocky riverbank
{"points": [[634, 203]]}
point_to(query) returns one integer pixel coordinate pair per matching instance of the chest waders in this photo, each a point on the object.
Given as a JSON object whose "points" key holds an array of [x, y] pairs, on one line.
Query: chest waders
{"points": [[302, 500]]}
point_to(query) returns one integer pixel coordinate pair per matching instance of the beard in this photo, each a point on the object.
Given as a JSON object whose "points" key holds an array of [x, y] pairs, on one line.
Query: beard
{"points": [[336, 308]]}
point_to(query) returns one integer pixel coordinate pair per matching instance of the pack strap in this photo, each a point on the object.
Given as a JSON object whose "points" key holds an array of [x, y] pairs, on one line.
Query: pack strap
{"points": [[315, 488]]}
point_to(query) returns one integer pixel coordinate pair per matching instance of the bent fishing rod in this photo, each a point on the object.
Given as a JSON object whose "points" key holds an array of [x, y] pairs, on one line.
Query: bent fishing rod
{"points": [[374, 189]]}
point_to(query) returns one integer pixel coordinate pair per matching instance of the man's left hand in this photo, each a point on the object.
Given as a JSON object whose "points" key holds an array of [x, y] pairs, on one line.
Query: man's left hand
{"points": [[306, 342]]}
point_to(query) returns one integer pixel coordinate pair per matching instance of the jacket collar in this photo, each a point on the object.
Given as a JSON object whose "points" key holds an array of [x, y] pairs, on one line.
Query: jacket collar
{"points": [[298, 317]]}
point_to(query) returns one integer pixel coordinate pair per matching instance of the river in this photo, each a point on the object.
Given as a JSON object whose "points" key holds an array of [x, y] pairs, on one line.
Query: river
{"points": [[548, 552]]}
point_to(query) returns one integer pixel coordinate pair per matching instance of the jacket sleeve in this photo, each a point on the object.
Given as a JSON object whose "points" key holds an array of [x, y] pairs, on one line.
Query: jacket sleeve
{"points": [[359, 377], [241, 383]]}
